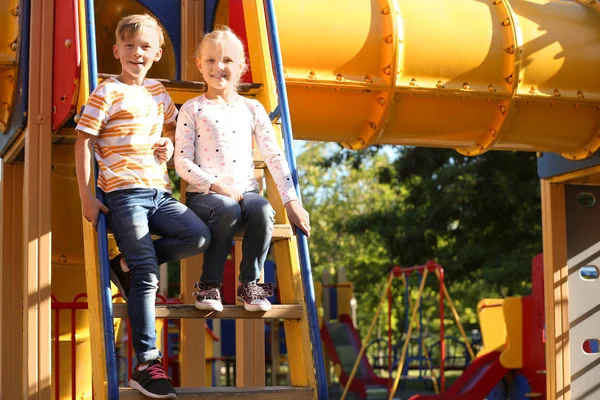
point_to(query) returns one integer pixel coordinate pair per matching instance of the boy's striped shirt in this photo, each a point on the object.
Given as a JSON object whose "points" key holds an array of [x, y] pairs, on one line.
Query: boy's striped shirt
{"points": [[128, 121]]}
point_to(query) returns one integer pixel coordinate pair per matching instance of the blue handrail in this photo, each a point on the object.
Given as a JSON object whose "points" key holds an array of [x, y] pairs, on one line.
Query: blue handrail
{"points": [[307, 282], [106, 295]]}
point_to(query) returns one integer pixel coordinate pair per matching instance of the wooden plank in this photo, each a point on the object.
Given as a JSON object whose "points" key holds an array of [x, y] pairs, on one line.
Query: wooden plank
{"points": [[259, 160], [280, 232], [90, 245], [286, 253], [11, 280], [555, 291], [192, 29], [249, 342], [291, 291], [214, 393], [36, 207], [181, 311], [16, 148], [182, 91], [193, 353]]}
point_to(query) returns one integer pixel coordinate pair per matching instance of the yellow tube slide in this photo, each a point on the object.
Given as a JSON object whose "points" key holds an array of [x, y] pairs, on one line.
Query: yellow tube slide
{"points": [[467, 74]]}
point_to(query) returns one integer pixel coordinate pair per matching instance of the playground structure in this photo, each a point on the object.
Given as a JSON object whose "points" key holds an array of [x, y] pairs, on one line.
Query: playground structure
{"points": [[340, 338], [473, 75], [511, 363]]}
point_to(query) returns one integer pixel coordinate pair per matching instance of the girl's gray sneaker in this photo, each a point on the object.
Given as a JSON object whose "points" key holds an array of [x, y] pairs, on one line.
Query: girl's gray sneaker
{"points": [[208, 297]]}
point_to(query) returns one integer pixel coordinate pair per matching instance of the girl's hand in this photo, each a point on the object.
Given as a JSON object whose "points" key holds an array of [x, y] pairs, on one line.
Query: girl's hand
{"points": [[164, 149], [226, 190], [298, 216]]}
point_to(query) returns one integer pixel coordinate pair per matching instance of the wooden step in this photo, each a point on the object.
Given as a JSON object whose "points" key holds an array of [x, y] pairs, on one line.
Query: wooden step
{"points": [[280, 232], [213, 393], [179, 311], [182, 91]]}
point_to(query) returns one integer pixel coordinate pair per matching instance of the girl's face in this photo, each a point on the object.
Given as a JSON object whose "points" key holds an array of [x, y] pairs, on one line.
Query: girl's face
{"points": [[220, 64]]}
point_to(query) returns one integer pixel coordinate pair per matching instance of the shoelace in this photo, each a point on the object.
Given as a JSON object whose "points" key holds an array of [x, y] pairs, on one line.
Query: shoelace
{"points": [[157, 372], [206, 291], [257, 291]]}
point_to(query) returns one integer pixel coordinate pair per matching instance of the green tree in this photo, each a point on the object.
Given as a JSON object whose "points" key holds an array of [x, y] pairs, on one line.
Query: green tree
{"points": [[479, 217]]}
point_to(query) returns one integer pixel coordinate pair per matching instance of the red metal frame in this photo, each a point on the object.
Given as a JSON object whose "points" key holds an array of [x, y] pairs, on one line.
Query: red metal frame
{"points": [[77, 305], [397, 272], [238, 25], [66, 71], [73, 306]]}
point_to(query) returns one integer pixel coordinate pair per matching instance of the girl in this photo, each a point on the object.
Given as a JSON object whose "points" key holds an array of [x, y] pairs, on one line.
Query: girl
{"points": [[213, 153]]}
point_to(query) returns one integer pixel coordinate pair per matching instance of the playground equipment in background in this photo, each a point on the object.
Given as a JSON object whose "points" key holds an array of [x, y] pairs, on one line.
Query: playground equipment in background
{"points": [[342, 345], [422, 352], [401, 372], [511, 363], [335, 299], [337, 313]]}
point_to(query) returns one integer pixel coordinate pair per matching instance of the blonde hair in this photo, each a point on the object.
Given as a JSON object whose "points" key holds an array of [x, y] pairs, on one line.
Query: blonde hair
{"points": [[131, 25], [221, 34]]}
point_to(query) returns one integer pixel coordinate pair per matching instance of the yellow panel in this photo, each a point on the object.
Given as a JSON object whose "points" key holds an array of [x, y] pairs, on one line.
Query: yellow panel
{"points": [[512, 355], [319, 300], [11, 280], [344, 299], [9, 32], [471, 75], [491, 321], [8, 78]]}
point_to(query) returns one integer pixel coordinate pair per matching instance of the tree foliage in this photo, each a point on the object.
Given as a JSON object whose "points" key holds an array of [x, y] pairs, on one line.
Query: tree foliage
{"points": [[479, 217]]}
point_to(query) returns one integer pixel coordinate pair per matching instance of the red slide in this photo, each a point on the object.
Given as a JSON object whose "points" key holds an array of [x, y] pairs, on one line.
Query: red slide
{"points": [[478, 380]]}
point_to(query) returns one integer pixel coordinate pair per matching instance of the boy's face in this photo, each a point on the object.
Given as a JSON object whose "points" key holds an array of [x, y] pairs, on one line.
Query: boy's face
{"points": [[220, 64], [137, 52]]}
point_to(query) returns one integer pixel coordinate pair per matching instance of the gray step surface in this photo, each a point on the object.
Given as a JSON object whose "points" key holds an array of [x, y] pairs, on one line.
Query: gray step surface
{"points": [[179, 311], [221, 393]]}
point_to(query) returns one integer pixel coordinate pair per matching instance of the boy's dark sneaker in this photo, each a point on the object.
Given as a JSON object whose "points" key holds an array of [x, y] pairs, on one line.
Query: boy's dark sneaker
{"points": [[153, 382], [254, 295], [120, 278], [208, 297]]}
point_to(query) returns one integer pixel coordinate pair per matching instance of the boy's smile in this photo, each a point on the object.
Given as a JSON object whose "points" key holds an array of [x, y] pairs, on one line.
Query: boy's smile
{"points": [[137, 53]]}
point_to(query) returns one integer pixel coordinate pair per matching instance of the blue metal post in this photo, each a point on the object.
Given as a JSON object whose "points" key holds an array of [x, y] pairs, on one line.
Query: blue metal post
{"points": [[107, 312], [307, 281]]}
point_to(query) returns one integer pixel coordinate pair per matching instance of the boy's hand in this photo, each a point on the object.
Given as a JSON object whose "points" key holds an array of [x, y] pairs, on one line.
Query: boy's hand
{"points": [[90, 209], [298, 216], [226, 190], [164, 149]]}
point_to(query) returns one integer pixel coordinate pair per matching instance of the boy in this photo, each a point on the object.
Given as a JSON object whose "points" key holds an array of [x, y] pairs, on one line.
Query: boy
{"points": [[122, 122]]}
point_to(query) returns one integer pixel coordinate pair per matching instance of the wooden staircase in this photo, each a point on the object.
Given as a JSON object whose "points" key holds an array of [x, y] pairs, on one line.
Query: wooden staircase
{"points": [[249, 325]]}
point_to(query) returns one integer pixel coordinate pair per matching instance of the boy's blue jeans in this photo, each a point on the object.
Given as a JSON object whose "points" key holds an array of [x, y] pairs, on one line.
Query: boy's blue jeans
{"points": [[225, 216], [133, 215]]}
